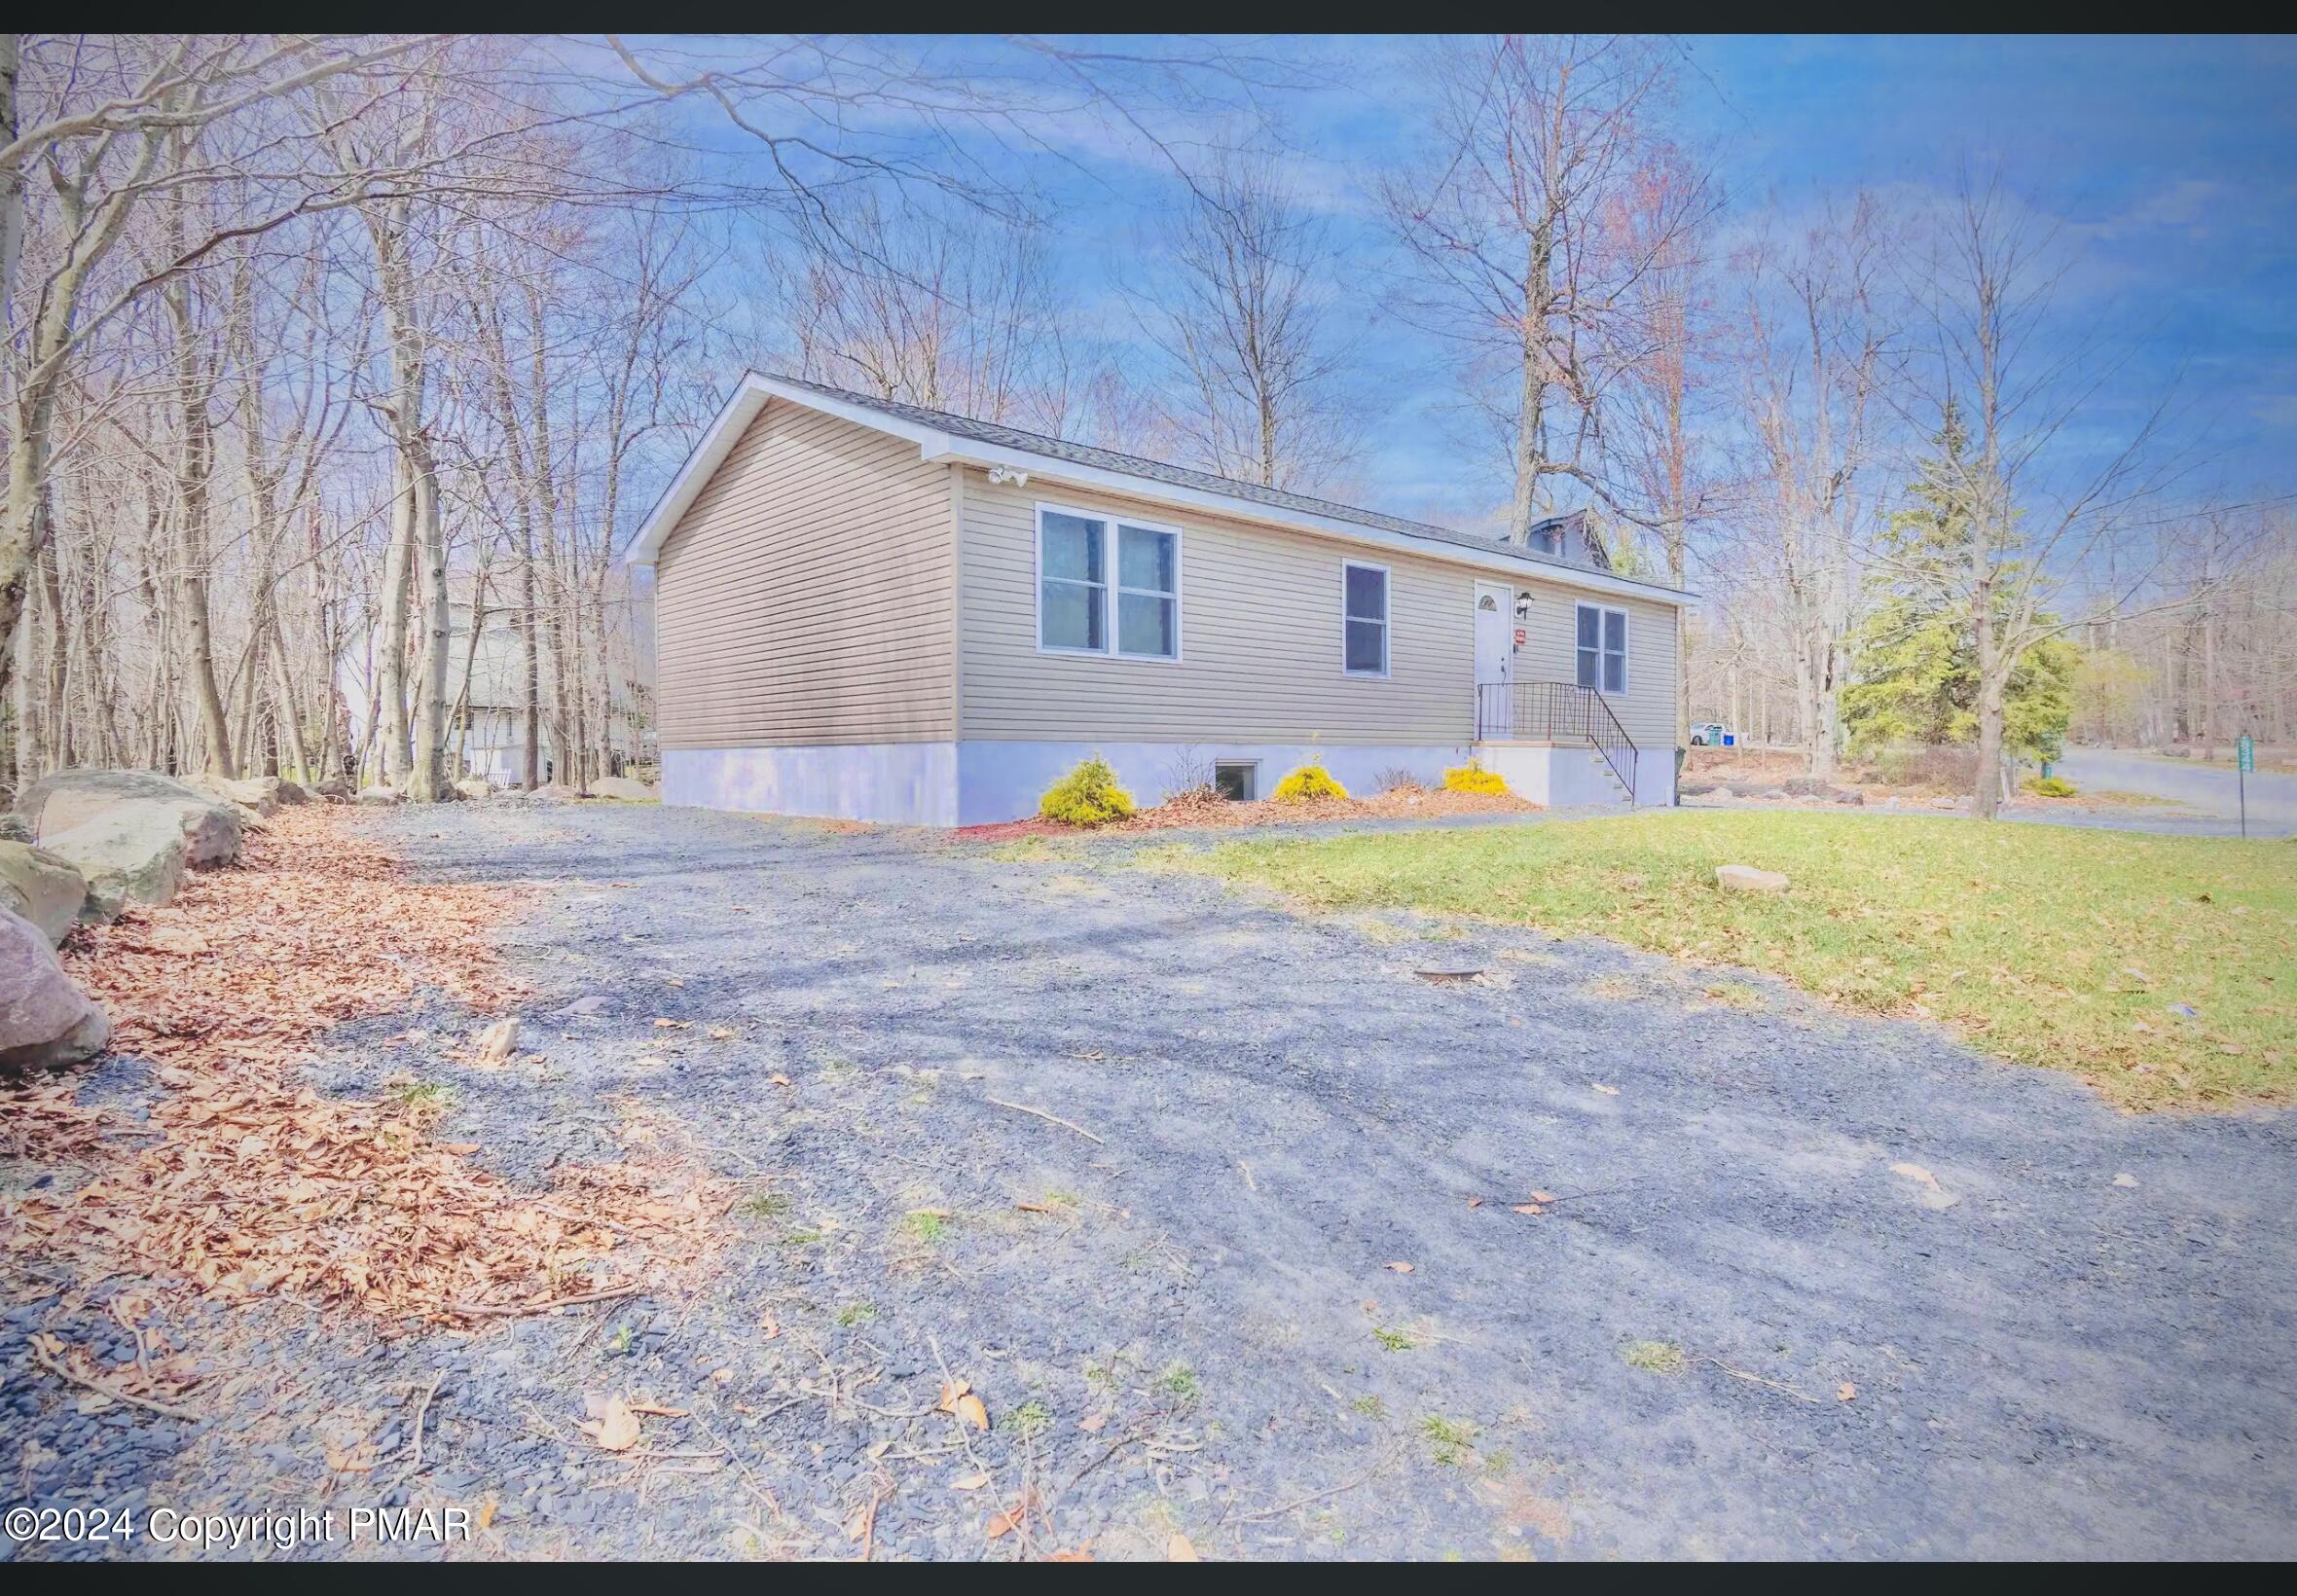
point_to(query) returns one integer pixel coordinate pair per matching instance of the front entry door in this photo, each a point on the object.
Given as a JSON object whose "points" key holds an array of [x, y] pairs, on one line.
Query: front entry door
{"points": [[1495, 661]]}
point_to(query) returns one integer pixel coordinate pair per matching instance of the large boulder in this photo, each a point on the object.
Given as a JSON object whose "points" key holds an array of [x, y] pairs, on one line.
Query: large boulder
{"points": [[131, 854], [380, 795], [1745, 877], [42, 887], [260, 795], [45, 1021], [475, 786], [70, 799], [623, 787]]}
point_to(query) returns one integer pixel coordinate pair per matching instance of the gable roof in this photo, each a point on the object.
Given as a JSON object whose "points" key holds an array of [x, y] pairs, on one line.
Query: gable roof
{"points": [[940, 434]]}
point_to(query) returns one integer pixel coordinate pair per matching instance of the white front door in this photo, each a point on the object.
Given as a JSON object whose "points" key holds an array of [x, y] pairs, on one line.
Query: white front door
{"points": [[1495, 661]]}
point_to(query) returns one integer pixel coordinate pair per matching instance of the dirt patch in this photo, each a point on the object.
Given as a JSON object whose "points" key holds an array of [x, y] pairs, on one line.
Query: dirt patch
{"points": [[242, 1182]]}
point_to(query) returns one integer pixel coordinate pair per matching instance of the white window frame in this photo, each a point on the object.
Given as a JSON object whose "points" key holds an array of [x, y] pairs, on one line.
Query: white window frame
{"points": [[1112, 583], [1627, 652], [1387, 620]]}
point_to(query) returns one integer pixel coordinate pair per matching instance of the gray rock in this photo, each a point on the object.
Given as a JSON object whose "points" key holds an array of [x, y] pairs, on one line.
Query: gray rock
{"points": [[43, 887], [134, 853], [70, 799], [475, 786], [623, 787], [1745, 877], [380, 795], [257, 795], [45, 1021]]}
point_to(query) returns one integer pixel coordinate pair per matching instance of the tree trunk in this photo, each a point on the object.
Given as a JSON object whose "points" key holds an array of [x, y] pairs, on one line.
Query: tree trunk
{"points": [[1993, 680], [191, 479], [427, 777]]}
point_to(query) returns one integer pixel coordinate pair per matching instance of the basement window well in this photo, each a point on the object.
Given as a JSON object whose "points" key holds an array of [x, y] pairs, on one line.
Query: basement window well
{"points": [[1237, 780]]}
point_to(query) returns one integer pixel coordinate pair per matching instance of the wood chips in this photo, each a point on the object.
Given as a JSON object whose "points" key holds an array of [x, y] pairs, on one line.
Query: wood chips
{"points": [[259, 1185]]}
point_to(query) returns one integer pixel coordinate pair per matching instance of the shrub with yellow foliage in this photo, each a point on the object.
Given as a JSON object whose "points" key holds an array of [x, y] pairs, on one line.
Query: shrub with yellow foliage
{"points": [[1310, 783]]}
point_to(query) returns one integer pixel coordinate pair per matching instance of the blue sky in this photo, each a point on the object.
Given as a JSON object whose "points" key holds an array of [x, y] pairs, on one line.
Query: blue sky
{"points": [[2170, 166]]}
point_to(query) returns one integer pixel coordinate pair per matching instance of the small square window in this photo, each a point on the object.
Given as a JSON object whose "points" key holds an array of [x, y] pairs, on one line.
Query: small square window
{"points": [[1239, 783]]}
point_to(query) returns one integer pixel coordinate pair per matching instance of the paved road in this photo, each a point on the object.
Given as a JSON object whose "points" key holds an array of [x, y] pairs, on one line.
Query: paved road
{"points": [[2209, 791]]}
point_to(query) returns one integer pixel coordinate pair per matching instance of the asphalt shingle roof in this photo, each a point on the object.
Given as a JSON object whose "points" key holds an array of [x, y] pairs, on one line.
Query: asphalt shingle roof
{"points": [[1177, 476]]}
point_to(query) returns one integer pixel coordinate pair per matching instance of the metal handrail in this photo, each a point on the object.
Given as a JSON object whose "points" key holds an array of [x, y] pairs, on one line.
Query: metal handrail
{"points": [[1556, 711]]}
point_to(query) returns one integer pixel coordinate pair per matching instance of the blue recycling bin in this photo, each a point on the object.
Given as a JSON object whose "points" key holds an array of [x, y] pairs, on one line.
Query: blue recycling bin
{"points": [[1730, 739]]}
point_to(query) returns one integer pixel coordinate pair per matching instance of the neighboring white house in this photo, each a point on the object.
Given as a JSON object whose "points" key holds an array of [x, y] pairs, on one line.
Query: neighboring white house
{"points": [[486, 695], [871, 610]]}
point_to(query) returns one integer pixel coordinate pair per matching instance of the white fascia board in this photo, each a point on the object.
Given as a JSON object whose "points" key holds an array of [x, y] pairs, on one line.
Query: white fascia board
{"points": [[971, 451]]}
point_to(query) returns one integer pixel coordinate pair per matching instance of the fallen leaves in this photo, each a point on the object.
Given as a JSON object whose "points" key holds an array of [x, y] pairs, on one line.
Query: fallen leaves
{"points": [[959, 1402], [244, 1182], [1399, 1267], [1845, 1392], [612, 1424], [1180, 1549]]}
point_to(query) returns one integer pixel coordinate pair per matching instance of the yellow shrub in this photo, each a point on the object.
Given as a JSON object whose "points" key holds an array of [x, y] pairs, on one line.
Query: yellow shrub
{"points": [[1473, 778], [1307, 784], [1088, 795]]}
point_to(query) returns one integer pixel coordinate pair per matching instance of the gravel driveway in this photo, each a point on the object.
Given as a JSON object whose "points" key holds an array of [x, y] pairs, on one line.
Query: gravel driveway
{"points": [[1809, 1287]]}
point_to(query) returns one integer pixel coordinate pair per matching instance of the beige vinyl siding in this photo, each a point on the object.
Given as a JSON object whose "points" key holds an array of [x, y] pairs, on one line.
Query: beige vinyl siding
{"points": [[1261, 639], [1647, 713], [807, 595]]}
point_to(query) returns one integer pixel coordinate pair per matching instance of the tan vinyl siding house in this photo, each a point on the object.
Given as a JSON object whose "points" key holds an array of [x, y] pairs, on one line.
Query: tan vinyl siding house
{"points": [[805, 598], [874, 611], [1260, 659]]}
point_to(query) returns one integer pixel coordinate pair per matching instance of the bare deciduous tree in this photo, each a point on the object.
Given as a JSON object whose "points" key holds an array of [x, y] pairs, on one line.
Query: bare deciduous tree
{"points": [[1518, 227], [1239, 311]]}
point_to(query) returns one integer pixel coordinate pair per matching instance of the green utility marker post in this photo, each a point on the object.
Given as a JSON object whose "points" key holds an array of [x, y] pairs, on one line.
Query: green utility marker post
{"points": [[2244, 761]]}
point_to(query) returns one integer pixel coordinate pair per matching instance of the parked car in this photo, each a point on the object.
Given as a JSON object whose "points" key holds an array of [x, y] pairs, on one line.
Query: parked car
{"points": [[1708, 734]]}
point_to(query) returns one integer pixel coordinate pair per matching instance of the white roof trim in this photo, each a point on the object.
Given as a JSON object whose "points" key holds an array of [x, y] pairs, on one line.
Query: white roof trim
{"points": [[935, 445]]}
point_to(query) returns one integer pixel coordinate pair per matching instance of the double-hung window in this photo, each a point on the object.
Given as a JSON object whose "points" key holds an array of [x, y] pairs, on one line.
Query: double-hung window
{"points": [[1602, 648], [1364, 619], [1106, 586]]}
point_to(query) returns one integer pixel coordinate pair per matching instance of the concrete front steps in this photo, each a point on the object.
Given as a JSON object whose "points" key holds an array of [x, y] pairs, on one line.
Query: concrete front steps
{"points": [[1557, 774]]}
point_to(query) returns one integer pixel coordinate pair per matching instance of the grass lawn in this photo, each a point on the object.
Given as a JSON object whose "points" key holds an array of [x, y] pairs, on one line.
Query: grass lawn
{"points": [[2041, 944]]}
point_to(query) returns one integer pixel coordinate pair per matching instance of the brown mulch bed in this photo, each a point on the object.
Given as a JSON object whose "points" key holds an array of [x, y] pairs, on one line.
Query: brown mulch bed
{"points": [[1203, 814], [259, 1185]]}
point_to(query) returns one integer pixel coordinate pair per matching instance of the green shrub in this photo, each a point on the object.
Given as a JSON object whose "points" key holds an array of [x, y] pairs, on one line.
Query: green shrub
{"points": [[2049, 786], [1473, 778], [1088, 795], [1309, 783]]}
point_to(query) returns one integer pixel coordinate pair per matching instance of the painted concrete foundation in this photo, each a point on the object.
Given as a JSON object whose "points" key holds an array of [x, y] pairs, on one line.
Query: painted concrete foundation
{"points": [[1002, 780], [983, 782], [901, 783]]}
